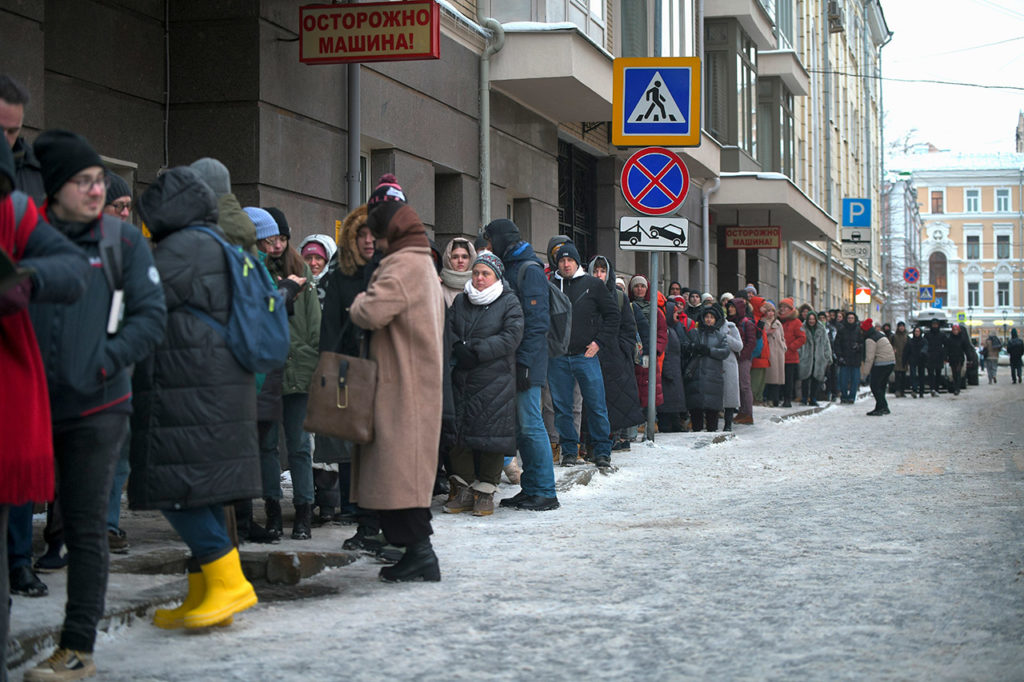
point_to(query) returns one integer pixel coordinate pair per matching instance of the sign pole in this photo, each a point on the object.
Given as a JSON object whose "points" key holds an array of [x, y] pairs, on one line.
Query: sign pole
{"points": [[855, 287], [652, 346], [354, 138]]}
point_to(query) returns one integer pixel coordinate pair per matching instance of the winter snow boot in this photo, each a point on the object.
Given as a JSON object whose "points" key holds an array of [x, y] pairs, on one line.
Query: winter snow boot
{"points": [[569, 459], [483, 503], [171, 619], [556, 452], [63, 664], [55, 558], [463, 498], [728, 419], [272, 507], [419, 563], [303, 518], [514, 500], [227, 592], [513, 472], [248, 530], [743, 419], [602, 461]]}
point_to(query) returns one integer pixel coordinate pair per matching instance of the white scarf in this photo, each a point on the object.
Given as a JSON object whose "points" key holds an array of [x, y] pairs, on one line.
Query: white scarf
{"points": [[485, 297]]}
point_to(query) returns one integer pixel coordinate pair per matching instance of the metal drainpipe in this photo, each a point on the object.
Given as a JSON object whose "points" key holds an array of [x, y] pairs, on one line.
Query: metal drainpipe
{"points": [[828, 108], [705, 193], [355, 135], [1020, 220], [493, 45]]}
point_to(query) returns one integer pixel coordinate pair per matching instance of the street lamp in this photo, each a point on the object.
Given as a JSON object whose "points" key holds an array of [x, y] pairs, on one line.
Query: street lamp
{"points": [[1005, 322]]}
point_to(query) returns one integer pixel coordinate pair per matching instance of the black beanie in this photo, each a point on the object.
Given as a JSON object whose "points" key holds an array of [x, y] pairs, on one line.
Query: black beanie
{"points": [[567, 249], [282, 222], [62, 154], [502, 234], [387, 189], [117, 187]]}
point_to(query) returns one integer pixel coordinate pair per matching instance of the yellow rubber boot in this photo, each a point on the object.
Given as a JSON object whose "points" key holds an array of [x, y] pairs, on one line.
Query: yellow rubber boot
{"points": [[172, 619], [227, 592]]}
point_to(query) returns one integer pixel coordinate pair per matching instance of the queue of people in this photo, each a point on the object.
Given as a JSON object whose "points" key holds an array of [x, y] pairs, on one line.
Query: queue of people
{"points": [[120, 372]]}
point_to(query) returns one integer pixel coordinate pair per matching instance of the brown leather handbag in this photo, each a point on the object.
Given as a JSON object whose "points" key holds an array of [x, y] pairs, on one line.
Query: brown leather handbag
{"points": [[342, 393]]}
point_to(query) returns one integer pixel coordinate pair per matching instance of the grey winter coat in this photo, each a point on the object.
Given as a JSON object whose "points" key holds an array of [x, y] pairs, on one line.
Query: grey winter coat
{"points": [[194, 423], [816, 353], [484, 396], [731, 367], [704, 376]]}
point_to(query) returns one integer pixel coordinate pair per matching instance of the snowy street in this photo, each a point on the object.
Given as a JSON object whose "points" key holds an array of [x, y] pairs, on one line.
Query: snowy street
{"points": [[830, 546]]}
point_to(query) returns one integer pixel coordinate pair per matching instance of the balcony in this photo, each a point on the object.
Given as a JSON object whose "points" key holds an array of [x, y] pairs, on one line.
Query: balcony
{"points": [[758, 199], [750, 14], [555, 70], [784, 64]]}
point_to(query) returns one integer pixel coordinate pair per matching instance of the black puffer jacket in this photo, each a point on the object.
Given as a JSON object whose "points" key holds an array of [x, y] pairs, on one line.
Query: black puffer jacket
{"points": [[936, 346], [194, 423], [484, 396], [620, 392], [958, 348], [916, 351], [704, 376], [848, 346]]}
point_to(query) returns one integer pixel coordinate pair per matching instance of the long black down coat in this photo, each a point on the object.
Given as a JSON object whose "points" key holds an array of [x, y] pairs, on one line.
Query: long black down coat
{"points": [[484, 396], [704, 377], [620, 391], [194, 422]]}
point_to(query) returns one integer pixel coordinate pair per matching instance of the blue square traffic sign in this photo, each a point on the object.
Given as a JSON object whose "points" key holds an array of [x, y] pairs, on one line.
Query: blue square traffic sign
{"points": [[856, 212], [656, 102]]}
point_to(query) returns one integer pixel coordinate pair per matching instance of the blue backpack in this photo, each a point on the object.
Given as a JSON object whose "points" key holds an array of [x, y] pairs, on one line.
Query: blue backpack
{"points": [[257, 330]]}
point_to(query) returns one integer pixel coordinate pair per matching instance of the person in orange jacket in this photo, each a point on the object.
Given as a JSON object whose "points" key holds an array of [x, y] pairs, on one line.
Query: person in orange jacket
{"points": [[793, 330]]}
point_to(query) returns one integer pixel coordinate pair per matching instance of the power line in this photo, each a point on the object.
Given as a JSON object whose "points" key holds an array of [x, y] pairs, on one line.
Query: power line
{"points": [[962, 49], [918, 80]]}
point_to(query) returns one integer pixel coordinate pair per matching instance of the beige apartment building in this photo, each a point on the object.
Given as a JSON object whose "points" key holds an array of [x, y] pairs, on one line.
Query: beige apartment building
{"points": [[972, 235], [512, 119]]}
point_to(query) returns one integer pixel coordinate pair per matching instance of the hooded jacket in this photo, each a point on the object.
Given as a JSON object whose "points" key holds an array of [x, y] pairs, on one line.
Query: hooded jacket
{"points": [[232, 220], [793, 328], [958, 346], [849, 343], [28, 174], [453, 282], [746, 327], [704, 375], [899, 343], [936, 346], [916, 351], [641, 312], [1015, 347], [194, 439], [532, 290], [594, 314], [620, 389], [877, 352], [730, 366]]}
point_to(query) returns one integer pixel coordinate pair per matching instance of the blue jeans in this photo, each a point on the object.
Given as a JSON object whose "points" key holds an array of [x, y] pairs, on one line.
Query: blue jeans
{"points": [[203, 529], [849, 380], [538, 476], [562, 373], [300, 458], [120, 476], [19, 536]]}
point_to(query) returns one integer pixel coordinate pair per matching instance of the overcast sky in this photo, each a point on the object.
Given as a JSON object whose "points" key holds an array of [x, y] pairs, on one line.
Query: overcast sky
{"points": [[953, 40]]}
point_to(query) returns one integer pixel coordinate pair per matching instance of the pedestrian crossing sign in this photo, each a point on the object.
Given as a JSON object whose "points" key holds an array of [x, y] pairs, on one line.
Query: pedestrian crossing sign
{"points": [[656, 102]]}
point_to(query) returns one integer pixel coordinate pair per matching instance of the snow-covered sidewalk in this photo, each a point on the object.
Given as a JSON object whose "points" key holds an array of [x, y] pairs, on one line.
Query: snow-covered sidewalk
{"points": [[828, 546]]}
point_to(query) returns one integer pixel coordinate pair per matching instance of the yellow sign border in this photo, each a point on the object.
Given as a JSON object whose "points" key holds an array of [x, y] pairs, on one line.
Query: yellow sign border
{"points": [[920, 290], [621, 139]]}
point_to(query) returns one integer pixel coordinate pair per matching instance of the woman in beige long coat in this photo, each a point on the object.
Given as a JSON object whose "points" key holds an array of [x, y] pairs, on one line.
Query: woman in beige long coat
{"points": [[403, 307], [775, 378]]}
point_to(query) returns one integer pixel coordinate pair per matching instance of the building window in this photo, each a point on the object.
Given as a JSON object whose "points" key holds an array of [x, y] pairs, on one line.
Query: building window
{"points": [[937, 202], [577, 197], [775, 148], [972, 200], [1003, 200], [973, 294], [633, 27], [973, 247], [1002, 246], [1003, 294], [731, 95]]}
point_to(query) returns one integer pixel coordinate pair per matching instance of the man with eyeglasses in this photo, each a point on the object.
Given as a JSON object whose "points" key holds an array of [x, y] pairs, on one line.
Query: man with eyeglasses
{"points": [[87, 350], [119, 197]]}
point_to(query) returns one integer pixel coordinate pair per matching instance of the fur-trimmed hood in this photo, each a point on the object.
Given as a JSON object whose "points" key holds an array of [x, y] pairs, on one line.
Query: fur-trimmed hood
{"points": [[349, 258]]}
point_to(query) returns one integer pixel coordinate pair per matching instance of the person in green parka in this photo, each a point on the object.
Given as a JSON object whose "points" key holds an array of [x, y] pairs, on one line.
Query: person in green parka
{"points": [[294, 276], [815, 357]]}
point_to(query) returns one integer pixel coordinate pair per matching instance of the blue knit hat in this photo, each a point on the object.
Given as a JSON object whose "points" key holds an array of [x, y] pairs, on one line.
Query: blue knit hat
{"points": [[491, 261], [265, 224]]}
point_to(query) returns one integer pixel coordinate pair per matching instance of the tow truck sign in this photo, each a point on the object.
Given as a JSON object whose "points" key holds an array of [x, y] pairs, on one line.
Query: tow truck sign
{"points": [[653, 234]]}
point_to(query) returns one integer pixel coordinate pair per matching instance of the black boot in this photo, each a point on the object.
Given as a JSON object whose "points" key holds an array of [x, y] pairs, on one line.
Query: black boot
{"points": [[729, 412], [249, 530], [303, 518], [272, 507], [419, 563]]}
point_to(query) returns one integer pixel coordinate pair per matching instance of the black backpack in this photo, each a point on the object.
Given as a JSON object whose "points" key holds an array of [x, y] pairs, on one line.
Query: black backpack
{"points": [[560, 312]]}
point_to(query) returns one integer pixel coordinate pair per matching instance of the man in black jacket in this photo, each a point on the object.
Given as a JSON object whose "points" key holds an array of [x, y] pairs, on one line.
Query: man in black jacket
{"points": [[957, 347], [936, 354], [524, 274], [87, 349], [848, 348], [595, 324]]}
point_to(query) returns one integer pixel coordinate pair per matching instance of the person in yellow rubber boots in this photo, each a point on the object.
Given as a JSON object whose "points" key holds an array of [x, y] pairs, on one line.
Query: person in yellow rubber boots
{"points": [[194, 446]]}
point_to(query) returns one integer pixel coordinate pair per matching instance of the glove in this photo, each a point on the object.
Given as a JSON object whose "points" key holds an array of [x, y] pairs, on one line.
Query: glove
{"points": [[16, 298], [700, 349], [465, 357], [291, 290], [522, 378]]}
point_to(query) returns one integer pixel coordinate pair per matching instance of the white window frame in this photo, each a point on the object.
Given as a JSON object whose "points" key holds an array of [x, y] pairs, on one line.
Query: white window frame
{"points": [[969, 193], [1009, 199], [1009, 293], [940, 190], [976, 283], [974, 230], [1002, 230]]}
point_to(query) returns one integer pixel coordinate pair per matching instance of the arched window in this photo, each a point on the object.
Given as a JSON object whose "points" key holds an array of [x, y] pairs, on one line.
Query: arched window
{"points": [[937, 274]]}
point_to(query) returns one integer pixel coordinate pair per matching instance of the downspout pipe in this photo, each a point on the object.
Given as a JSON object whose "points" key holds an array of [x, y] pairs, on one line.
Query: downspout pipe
{"points": [[495, 43], [705, 195]]}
